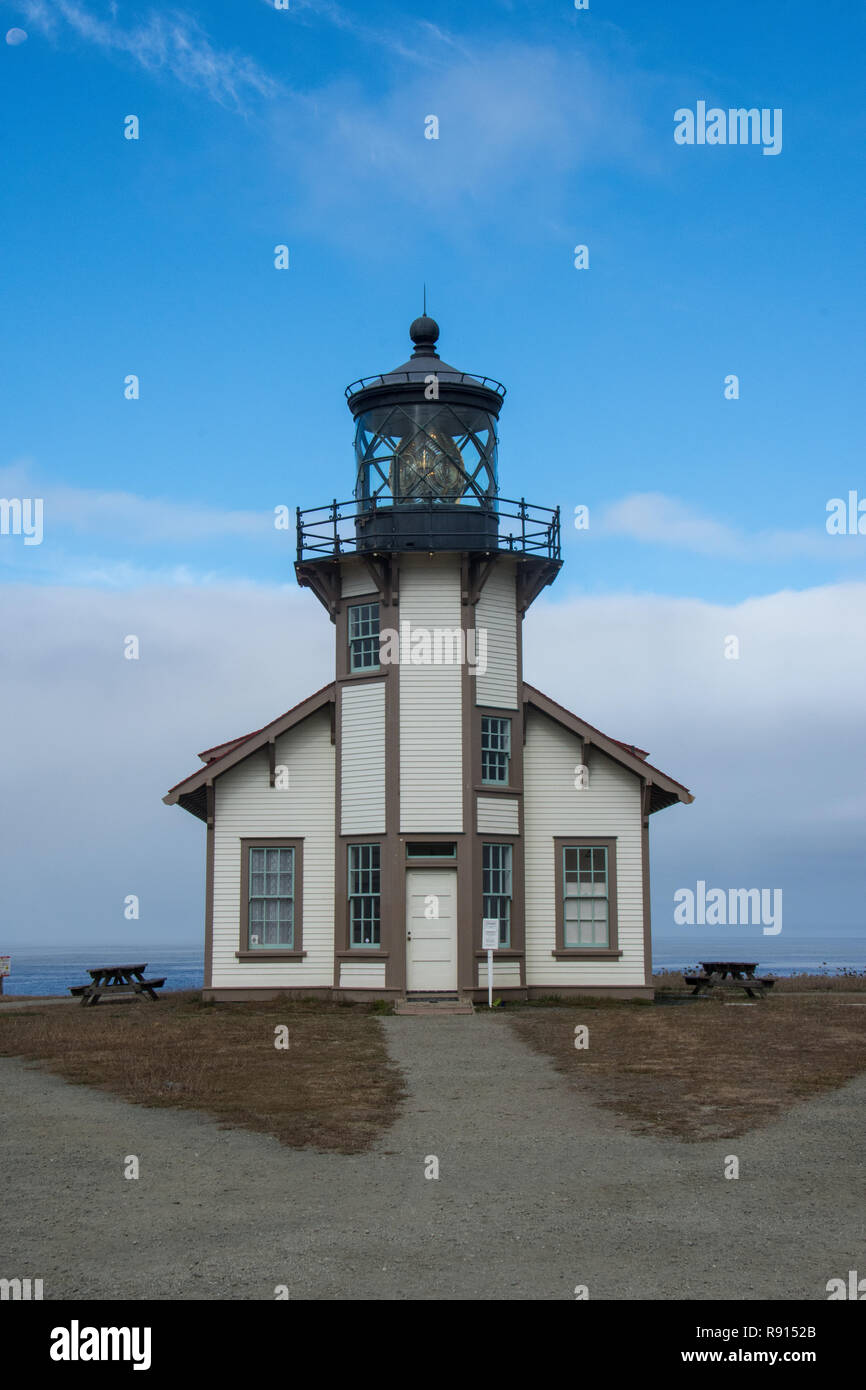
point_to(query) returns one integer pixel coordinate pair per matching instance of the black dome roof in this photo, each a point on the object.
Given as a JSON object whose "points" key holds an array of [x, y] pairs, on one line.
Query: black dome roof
{"points": [[424, 363]]}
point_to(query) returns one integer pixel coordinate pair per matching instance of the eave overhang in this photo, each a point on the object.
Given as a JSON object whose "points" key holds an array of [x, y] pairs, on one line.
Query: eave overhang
{"points": [[661, 790], [192, 792]]}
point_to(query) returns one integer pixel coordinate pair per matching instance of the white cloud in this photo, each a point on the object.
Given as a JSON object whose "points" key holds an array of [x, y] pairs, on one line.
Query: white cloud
{"points": [[126, 516], [164, 41], [391, 40], [511, 114], [510, 117], [144, 519], [771, 744], [657, 519]]}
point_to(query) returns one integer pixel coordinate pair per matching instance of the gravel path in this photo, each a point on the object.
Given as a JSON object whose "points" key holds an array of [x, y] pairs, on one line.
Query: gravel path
{"points": [[538, 1191]]}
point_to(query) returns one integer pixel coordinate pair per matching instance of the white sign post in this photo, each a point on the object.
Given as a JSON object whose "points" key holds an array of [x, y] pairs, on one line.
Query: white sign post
{"points": [[489, 943], [5, 964]]}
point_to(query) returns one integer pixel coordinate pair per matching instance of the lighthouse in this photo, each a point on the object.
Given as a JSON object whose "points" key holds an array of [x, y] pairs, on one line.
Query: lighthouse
{"points": [[357, 843]]}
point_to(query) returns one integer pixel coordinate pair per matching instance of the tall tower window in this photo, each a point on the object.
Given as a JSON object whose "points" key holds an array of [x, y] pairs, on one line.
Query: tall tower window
{"points": [[496, 886], [364, 895], [495, 749], [364, 637]]}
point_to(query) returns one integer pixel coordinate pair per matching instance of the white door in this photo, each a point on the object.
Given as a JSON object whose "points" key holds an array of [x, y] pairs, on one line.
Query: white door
{"points": [[431, 930]]}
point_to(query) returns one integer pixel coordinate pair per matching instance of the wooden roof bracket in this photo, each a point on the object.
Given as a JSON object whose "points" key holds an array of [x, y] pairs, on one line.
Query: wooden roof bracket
{"points": [[474, 573], [532, 576], [325, 583], [379, 569]]}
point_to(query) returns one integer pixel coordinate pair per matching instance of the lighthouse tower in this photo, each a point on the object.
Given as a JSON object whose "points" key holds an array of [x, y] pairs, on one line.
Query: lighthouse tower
{"points": [[427, 574], [357, 843]]}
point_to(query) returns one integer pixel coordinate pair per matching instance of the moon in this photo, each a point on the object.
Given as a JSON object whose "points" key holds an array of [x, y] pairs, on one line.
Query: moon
{"points": [[15, 36]]}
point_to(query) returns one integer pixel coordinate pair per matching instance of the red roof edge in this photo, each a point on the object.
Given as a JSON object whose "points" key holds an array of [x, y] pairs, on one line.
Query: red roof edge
{"points": [[627, 747], [223, 750]]}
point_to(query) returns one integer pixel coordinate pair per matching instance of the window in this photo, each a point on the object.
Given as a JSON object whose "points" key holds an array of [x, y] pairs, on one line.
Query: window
{"points": [[364, 637], [495, 749], [586, 898], [364, 895], [271, 901], [496, 887], [424, 849]]}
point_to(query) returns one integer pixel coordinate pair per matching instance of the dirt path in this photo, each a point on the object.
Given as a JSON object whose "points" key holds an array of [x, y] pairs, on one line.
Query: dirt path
{"points": [[538, 1191]]}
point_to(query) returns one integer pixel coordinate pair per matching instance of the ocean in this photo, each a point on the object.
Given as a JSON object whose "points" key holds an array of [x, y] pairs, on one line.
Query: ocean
{"points": [[51, 970], [775, 955]]}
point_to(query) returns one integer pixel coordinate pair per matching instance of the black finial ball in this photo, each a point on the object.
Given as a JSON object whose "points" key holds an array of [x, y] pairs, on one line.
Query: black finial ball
{"points": [[424, 330]]}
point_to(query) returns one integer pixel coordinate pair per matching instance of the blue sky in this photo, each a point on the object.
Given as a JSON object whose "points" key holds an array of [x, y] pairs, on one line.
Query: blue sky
{"points": [[306, 127]]}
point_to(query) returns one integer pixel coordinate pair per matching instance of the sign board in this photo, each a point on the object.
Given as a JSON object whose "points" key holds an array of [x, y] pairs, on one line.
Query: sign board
{"points": [[489, 933], [4, 965]]}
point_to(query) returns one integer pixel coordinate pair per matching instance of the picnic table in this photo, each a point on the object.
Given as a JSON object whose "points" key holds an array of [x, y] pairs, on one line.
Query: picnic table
{"points": [[117, 979], [731, 974]]}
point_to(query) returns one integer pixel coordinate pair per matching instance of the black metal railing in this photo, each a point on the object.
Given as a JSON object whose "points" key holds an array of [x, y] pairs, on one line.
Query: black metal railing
{"points": [[446, 378], [340, 528]]}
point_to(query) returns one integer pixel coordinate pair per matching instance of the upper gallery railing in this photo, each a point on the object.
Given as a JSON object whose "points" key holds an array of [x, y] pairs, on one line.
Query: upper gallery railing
{"points": [[342, 527]]}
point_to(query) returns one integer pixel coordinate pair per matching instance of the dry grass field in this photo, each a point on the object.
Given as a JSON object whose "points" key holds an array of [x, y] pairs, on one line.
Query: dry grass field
{"points": [[845, 982], [707, 1069], [333, 1089], [696, 1070]]}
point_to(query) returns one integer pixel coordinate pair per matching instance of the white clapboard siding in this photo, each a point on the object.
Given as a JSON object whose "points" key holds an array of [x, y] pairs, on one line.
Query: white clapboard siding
{"points": [[362, 974], [496, 614], [497, 815], [552, 806], [431, 791], [506, 974], [356, 581], [362, 737], [247, 805]]}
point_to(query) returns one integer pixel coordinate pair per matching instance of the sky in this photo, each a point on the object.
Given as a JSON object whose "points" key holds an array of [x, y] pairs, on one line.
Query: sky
{"points": [[305, 127]]}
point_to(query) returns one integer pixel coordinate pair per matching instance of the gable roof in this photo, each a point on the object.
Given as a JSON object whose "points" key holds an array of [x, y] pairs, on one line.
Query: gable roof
{"points": [[664, 791], [210, 755], [191, 793]]}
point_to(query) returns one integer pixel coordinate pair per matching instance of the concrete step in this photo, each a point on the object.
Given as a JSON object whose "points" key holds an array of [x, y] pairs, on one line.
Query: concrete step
{"points": [[421, 1006]]}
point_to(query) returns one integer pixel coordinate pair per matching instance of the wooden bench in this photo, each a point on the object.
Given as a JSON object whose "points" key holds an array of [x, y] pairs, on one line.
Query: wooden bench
{"points": [[729, 976], [117, 979]]}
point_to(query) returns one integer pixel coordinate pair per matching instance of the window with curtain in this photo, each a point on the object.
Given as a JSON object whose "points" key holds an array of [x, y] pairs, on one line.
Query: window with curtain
{"points": [[271, 897]]}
